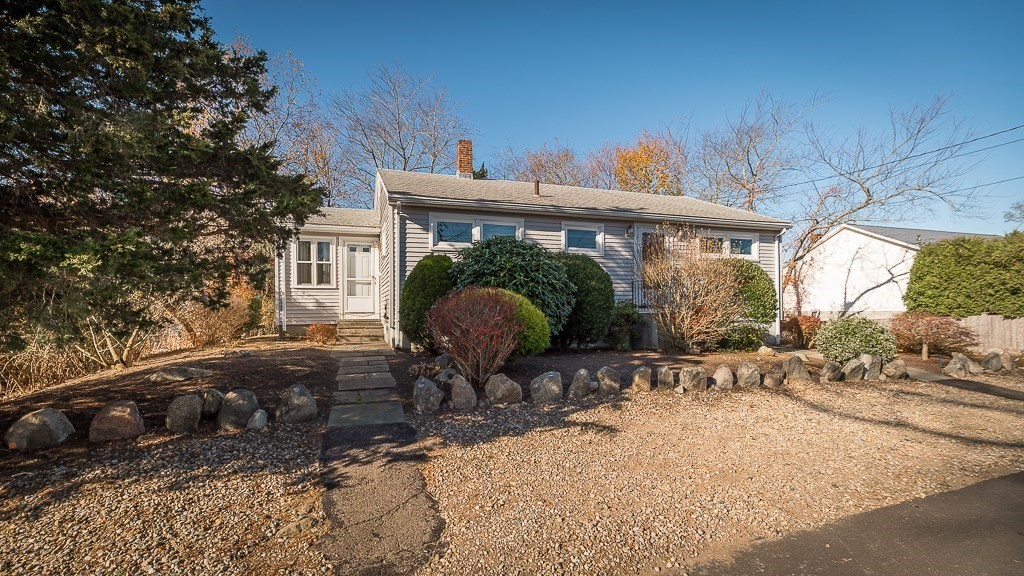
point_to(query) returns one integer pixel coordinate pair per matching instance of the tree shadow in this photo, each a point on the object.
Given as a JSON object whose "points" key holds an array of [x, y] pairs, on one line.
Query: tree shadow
{"points": [[981, 388], [953, 402]]}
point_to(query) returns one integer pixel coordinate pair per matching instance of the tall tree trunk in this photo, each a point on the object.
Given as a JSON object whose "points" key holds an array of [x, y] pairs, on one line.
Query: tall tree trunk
{"points": [[924, 351]]}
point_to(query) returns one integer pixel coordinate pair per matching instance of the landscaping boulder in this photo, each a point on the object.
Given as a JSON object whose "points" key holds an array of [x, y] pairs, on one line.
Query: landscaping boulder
{"points": [[580, 387], [896, 370], [775, 376], [212, 400], [972, 366], [178, 374], [831, 372], [443, 361], [992, 362], [748, 375], [297, 406], [258, 420], [853, 370], [42, 428], [872, 366], [795, 369], [184, 413], [608, 381], [641, 380], [666, 379], [444, 378], [116, 421], [463, 395], [722, 377], [1008, 361], [237, 408], [958, 367], [546, 388], [501, 389], [426, 396], [765, 351], [692, 379]]}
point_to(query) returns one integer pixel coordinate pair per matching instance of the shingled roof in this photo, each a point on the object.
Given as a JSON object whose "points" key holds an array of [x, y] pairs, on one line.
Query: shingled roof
{"points": [[445, 190], [917, 235], [345, 217]]}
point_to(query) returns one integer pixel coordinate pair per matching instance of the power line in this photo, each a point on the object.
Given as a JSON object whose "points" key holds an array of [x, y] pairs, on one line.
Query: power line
{"points": [[918, 155], [987, 184]]}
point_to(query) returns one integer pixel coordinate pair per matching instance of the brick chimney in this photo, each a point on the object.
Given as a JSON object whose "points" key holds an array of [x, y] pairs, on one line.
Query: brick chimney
{"points": [[464, 159]]}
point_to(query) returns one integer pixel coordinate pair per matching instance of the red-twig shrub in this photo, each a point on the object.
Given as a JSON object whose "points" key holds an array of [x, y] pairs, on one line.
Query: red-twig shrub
{"points": [[802, 329], [478, 328], [920, 331], [322, 333]]}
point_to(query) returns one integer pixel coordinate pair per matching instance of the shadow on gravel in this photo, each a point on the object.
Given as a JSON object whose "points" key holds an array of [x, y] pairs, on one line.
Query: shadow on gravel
{"points": [[1014, 409], [981, 388]]}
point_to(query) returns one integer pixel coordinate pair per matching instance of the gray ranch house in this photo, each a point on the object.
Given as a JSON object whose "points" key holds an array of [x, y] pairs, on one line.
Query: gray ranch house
{"points": [[348, 266]]}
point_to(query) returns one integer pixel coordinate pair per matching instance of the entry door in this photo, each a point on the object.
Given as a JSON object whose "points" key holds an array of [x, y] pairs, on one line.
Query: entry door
{"points": [[359, 278]]}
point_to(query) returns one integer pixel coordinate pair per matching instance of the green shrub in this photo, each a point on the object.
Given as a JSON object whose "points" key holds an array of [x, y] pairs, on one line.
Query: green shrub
{"points": [[847, 338], [625, 325], [757, 291], [536, 335], [428, 281], [521, 267], [968, 276], [745, 337], [595, 301]]}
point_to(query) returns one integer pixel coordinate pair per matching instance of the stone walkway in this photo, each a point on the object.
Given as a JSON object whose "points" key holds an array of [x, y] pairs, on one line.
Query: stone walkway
{"points": [[365, 393]]}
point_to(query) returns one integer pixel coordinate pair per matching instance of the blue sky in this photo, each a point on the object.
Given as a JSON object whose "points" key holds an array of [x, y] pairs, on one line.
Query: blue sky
{"points": [[586, 73]]}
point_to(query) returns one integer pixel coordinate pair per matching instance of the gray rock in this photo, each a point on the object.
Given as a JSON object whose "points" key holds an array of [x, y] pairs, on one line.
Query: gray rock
{"points": [[992, 362], [580, 387], [116, 421], [748, 375], [692, 379], [237, 408], [297, 406], [594, 386], [258, 420], [641, 380], [444, 361], [546, 388], [42, 428], [1009, 363], [212, 400], [896, 370], [853, 370], [178, 374], [444, 377], [666, 378], [722, 377], [184, 413], [463, 395], [775, 377], [831, 372], [795, 369], [609, 382], [958, 367], [872, 366], [765, 351], [972, 366], [426, 396], [501, 389]]}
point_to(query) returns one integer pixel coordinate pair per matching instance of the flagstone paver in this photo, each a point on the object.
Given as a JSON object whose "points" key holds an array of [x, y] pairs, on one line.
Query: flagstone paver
{"points": [[366, 392]]}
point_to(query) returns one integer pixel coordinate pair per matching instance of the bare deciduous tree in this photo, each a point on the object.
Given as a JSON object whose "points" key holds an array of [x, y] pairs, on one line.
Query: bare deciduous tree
{"points": [[556, 164], [399, 121], [1015, 213]]}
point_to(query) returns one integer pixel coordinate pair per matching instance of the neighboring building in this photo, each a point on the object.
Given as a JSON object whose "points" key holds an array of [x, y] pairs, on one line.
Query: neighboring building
{"points": [[863, 270], [349, 265]]}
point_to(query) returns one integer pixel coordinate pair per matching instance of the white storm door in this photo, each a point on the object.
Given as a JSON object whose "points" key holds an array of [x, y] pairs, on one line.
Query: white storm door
{"points": [[359, 278]]}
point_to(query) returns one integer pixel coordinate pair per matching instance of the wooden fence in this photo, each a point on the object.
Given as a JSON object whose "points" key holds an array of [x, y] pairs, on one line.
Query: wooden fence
{"points": [[996, 332]]}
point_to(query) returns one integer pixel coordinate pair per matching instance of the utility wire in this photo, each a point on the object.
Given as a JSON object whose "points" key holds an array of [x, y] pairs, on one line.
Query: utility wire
{"points": [[987, 184]]}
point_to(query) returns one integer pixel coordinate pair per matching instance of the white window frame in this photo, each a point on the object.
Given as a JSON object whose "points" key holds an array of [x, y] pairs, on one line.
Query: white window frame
{"points": [[477, 226], [754, 245], [598, 228], [313, 255]]}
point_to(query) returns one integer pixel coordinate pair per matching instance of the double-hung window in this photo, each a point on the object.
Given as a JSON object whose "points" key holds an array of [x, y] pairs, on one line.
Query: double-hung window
{"points": [[583, 238], [314, 263]]}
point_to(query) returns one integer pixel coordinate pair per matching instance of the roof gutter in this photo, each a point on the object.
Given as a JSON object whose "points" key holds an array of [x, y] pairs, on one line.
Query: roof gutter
{"points": [[608, 214]]}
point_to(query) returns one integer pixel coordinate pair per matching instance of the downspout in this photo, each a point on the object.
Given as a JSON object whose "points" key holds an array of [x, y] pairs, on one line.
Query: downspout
{"points": [[396, 281], [778, 286]]}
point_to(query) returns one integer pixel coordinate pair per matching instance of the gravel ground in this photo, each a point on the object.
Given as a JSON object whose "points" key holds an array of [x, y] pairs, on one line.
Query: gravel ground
{"points": [[207, 504], [653, 482]]}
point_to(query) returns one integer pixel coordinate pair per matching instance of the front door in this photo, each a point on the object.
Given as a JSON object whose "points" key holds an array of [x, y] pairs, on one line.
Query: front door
{"points": [[359, 278]]}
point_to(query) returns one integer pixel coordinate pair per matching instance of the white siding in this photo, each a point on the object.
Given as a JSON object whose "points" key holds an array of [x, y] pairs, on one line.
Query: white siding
{"points": [[855, 274], [308, 304], [387, 263]]}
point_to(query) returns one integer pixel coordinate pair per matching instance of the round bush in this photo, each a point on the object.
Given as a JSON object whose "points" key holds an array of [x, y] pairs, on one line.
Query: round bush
{"points": [[521, 267], [757, 291], [742, 338], [847, 338], [595, 301], [478, 328], [536, 335], [428, 281]]}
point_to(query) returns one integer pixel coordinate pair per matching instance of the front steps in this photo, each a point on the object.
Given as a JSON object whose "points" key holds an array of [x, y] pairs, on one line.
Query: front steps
{"points": [[361, 332]]}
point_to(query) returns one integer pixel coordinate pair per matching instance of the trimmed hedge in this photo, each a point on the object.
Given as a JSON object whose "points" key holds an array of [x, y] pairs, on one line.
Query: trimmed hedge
{"points": [[625, 326], [744, 337], [428, 281], [844, 339], [536, 335], [757, 291], [968, 276], [522, 267], [595, 301]]}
